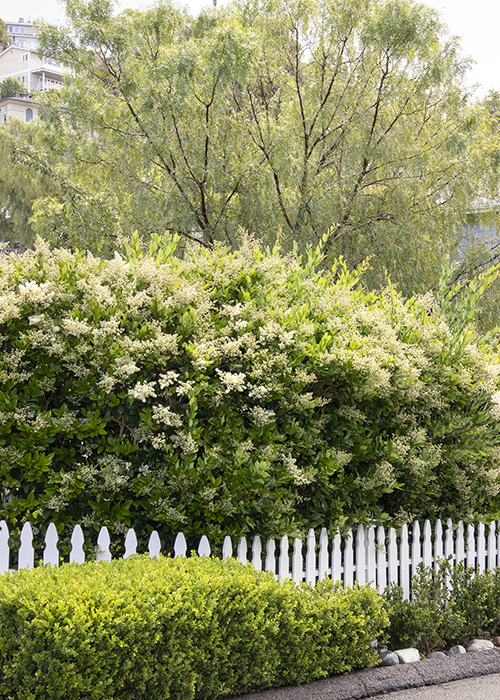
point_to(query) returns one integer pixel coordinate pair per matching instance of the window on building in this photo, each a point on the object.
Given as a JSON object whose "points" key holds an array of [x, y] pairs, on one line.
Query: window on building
{"points": [[25, 56], [22, 30], [29, 114], [10, 29], [16, 30]]}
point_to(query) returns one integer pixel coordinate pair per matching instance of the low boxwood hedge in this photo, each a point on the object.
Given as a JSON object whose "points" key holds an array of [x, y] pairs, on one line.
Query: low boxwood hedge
{"points": [[175, 628]]}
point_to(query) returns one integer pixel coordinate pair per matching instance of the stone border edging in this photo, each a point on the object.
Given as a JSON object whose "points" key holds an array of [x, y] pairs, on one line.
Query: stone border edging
{"points": [[387, 679]]}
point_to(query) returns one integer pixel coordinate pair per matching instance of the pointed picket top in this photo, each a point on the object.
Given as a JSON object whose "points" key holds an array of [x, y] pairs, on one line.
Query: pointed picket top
{"points": [[311, 558], [371, 562], [180, 546], [154, 545], [448, 540], [4, 547], [242, 550], [427, 548], [77, 555], [26, 555], [492, 547], [481, 548], [51, 553], [204, 547], [471, 546], [103, 543], [404, 562], [337, 558], [130, 544], [227, 548], [348, 560], [257, 553], [392, 558], [416, 548], [381, 560], [360, 556], [323, 554], [297, 561], [283, 563], [460, 547], [271, 556]]}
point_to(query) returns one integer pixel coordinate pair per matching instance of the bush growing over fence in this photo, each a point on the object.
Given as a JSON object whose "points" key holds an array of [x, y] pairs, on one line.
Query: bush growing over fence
{"points": [[183, 628], [231, 393]]}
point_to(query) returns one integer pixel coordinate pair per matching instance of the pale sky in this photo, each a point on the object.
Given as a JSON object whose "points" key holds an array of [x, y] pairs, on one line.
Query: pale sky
{"points": [[477, 22]]}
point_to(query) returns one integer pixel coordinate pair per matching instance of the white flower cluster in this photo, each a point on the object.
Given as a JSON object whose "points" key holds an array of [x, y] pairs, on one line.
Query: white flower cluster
{"points": [[261, 416], [232, 382], [142, 391]]}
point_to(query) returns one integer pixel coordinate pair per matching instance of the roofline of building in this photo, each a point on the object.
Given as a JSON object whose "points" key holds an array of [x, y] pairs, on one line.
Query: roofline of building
{"points": [[21, 100]]}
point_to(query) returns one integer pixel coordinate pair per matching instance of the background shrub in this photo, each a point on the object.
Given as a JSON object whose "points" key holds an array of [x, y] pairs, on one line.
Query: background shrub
{"points": [[449, 605], [235, 393], [183, 628]]}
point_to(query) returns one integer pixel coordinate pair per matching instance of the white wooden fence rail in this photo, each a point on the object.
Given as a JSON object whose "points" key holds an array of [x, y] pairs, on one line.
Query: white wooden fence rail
{"points": [[370, 555]]}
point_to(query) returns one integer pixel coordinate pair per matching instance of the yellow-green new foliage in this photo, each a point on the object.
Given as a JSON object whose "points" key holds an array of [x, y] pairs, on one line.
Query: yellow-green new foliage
{"points": [[180, 629], [234, 393]]}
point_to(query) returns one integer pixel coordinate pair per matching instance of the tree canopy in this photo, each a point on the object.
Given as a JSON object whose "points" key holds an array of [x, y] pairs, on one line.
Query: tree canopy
{"points": [[289, 119], [10, 87]]}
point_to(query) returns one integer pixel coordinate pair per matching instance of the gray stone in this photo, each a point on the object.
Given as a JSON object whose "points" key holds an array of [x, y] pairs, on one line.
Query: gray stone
{"points": [[388, 658], [408, 656], [436, 655], [479, 645], [455, 651]]}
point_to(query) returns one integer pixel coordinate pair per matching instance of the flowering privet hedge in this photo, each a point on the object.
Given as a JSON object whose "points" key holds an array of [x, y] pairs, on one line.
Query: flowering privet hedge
{"points": [[230, 393]]}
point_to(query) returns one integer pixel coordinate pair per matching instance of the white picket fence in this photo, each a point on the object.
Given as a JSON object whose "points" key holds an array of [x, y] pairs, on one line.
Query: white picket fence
{"points": [[370, 555]]}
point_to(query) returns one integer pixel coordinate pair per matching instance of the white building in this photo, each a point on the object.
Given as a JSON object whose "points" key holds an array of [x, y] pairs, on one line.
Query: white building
{"points": [[36, 73], [23, 34], [22, 108]]}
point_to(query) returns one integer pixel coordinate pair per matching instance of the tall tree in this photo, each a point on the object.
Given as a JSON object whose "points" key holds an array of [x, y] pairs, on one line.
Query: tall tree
{"points": [[287, 118]]}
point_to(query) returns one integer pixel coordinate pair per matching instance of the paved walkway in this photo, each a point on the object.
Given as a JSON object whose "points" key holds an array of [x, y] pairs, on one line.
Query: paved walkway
{"points": [[374, 682], [483, 688]]}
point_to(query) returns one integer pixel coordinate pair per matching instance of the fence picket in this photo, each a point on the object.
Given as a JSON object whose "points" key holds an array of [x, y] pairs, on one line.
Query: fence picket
{"points": [[284, 561], [204, 547], [26, 555], [4, 547], [481, 547], [77, 555], [311, 558], [381, 560], [471, 546], [180, 546], [51, 553], [438, 543], [297, 561], [427, 546], [392, 557], [227, 548], [348, 561], [416, 548], [498, 543], [154, 545], [492, 547], [257, 553], [360, 556], [404, 562], [323, 554], [460, 546], [242, 550], [271, 556], [130, 544], [103, 544], [449, 550], [337, 558], [371, 564]]}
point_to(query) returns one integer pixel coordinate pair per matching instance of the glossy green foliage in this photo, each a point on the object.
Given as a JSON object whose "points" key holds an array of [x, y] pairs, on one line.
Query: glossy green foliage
{"points": [[183, 629], [234, 393]]}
